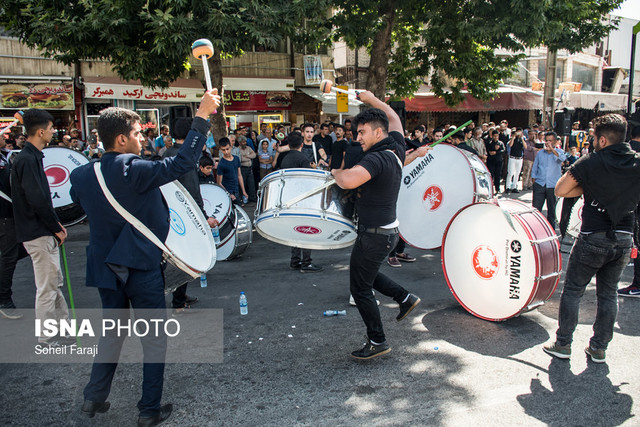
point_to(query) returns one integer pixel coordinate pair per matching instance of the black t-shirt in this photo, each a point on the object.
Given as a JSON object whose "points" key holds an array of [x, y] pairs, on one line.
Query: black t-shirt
{"points": [[338, 150], [307, 150], [517, 149], [496, 146], [294, 159], [376, 199], [415, 143], [353, 154], [323, 142]]}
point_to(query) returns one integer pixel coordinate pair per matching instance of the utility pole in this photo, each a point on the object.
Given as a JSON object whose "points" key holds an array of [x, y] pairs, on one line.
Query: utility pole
{"points": [[550, 88], [636, 30]]}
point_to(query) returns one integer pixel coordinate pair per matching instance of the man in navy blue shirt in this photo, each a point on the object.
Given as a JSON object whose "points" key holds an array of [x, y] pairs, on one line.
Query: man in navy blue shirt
{"points": [[229, 175]]}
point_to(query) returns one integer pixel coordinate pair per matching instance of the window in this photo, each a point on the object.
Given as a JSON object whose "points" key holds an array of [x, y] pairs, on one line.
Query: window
{"points": [[585, 75], [542, 70]]}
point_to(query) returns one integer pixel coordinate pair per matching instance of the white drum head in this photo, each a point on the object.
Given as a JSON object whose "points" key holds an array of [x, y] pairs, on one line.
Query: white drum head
{"points": [[575, 220], [433, 189], [489, 266], [217, 202], [58, 163], [190, 237], [306, 229]]}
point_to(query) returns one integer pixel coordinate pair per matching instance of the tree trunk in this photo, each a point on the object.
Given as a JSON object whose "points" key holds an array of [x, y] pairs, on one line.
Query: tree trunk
{"points": [[380, 53], [218, 120], [550, 88]]}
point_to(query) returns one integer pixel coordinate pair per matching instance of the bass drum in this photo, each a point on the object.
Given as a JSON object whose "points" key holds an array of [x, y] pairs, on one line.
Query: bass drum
{"points": [[217, 204], [241, 238], [434, 188], [501, 260], [58, 164]]}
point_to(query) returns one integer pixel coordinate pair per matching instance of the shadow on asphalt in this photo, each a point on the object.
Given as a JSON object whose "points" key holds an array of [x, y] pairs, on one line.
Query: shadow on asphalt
{"points": [[498, 339], [588, 398]]}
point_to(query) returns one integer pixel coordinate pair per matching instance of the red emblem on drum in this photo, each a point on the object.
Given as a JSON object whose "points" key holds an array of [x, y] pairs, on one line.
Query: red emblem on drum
{"points": [[432, 198], [57, 175], [485, 262], [307, 229]]}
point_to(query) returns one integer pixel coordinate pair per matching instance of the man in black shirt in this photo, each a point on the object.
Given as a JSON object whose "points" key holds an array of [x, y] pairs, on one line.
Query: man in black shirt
{"points": [[338, 148], [458, 139], [38, 227], [516, 142], [323, 139], [633, 290], [377, 177], [609, 178], [495, 148], [294, 158]]}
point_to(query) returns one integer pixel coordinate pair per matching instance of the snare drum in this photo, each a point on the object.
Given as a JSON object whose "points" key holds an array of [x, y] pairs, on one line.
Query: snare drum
{"points": [[434, 188], [240, 239], [317, 222], [575, 219], [217, 203], [58, 163], [501, 260], [189, 237]]}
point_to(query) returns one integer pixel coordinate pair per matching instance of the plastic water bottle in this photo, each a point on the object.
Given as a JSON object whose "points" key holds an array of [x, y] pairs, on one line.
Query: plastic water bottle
{"points": [[216, 234], [245, 199], [244, 309], [203, 280], [335, 313]]}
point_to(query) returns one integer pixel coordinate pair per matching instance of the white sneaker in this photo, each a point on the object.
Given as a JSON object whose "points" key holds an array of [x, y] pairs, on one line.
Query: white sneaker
{"points": [[353, 302]]}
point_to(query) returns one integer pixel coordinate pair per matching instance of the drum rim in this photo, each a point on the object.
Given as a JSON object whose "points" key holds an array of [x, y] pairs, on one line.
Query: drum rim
{"points": [[264, 216], [239, 248]]}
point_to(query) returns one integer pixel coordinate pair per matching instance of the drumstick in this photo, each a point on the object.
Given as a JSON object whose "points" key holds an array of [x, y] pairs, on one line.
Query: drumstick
{"points": [[326, 86], [309, 193], [203, 49], [18, 119], [453, 132]]}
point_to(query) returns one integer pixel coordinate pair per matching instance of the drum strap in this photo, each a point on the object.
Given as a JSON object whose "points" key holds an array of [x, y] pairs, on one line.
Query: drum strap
{"points": [[138, 225], [4, 196], [397, 158]]}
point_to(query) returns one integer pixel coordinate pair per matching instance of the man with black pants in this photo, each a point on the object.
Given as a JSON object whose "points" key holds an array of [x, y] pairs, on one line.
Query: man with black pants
{"points": [[124, 265], [495, 148], [609, 178], [180, 301], [377, 177], [633, 290], [294, 158], [546, 171], [10, 250]]}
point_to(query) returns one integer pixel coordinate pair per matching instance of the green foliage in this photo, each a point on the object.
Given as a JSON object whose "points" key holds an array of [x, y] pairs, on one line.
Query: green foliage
{"points": [[151, 40], [451, 44]]}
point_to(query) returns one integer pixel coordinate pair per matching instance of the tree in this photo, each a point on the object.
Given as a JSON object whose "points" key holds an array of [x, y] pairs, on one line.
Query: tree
{"points": [[150, 40], [451, 43]]}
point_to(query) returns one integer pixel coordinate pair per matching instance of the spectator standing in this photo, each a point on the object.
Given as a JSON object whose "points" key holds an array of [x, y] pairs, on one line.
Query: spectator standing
{"points": [[160, 141], [228, 172], [247, 155], [516, 142], [477, 143], [495, 148], [529, 156], [265, 158], [338, 148], [323, 140], [545, 173]]}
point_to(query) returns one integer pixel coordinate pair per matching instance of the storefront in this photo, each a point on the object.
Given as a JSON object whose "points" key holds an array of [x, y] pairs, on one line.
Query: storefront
{"points": [[252, 101], [52, 93], [155, 106]]}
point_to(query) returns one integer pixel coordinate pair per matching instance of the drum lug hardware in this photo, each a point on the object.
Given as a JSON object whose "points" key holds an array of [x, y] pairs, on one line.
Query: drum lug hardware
{"points": [[534, 305], [548, 276], [548, 239]]}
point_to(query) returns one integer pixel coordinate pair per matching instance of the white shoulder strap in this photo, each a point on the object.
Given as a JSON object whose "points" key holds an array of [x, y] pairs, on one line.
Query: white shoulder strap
{"points": [[397, 158], [138, 225]]}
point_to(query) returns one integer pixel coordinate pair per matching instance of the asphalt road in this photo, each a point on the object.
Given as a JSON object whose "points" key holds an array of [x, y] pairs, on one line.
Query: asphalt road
{"points": [[286, 364]]}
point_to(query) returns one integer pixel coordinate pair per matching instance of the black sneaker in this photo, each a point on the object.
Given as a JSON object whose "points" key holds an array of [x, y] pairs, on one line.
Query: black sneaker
{"points": [[515, 191], [407, 306], [310, 268], [191, 300], [90, 408], [295, 266], [8, 311], [370, 350]]}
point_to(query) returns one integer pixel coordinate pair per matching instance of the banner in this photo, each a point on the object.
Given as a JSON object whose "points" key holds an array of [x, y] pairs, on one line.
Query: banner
{"points": [[342, 100], [247, 100], [133, 92], [313, 74], [50, 96]]}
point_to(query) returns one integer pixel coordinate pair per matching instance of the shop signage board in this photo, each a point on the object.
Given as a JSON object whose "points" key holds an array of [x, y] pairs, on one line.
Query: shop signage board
{"points": [[247, 100], [48, 96], [140, 93]]}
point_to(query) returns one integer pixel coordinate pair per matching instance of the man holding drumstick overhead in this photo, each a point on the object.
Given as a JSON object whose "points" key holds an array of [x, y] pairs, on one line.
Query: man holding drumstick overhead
{"points": [[377, 179]]}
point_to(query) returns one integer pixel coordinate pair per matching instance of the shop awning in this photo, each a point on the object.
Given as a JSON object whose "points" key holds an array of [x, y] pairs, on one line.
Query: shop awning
{"points": [[329, 101], [600, 101], [181, 90], [265, 84], [507, 99]]}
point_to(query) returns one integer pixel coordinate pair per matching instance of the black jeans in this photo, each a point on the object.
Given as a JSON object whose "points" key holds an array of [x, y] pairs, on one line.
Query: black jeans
{"points": [[593, 255], [179, 298], [542, 194], [369, 252], [10, 253], [300, 256], [399, 249], [495, 168]]}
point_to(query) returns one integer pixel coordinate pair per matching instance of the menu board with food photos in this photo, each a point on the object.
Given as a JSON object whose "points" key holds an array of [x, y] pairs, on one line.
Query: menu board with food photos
{"points": [[48, 96]]}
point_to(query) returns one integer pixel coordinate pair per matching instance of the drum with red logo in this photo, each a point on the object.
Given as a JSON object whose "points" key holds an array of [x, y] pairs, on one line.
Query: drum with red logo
{"points": [[58, 163], [575, 219], [320, 221], [434, 188], [501, 260]]}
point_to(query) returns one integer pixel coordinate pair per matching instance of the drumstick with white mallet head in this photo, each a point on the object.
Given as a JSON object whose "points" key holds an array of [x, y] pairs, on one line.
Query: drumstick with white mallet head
{"points": [[326, 86], [203, 49], [18, 119]]}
